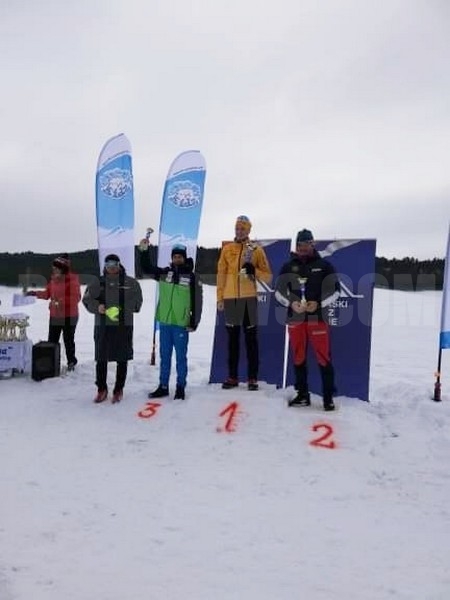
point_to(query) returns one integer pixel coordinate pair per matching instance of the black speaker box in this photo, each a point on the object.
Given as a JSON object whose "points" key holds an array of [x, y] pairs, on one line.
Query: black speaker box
{"points": [[46, 361]]}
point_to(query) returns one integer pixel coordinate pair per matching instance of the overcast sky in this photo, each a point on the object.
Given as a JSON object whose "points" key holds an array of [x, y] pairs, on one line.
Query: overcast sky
{"points": [[328, 114]]}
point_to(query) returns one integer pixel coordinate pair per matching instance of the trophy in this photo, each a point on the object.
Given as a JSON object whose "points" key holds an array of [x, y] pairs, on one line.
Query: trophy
{"points": [[143, 246], [302, 281], [3, 328], [22, 325], [12, 336], [13, 327], [249, 247]]}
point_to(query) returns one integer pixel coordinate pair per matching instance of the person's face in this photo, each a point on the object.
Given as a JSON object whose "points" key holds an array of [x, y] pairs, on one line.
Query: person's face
{"points": [[177, 259], [57, 272], [305, 248], [112, 268], [241, 232]]}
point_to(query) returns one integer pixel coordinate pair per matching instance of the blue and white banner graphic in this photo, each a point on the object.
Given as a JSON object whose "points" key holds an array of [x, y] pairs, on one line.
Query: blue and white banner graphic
{"points": [[115, 202], [182, 205], [350, 318], [444, 339], [271, 331]]}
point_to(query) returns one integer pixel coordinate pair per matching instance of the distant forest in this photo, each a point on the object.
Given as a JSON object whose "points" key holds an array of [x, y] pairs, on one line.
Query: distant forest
{"points": [[30, 269]]}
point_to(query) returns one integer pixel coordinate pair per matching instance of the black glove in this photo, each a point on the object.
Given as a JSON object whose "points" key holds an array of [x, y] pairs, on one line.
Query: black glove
{"points": [[32, 293], [249, 268]]}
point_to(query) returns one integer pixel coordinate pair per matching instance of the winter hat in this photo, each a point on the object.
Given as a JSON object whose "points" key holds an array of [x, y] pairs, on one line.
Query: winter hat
{"points": [[305, 235], [244, 222], [112, 258], [179, 249], [62, 262]]}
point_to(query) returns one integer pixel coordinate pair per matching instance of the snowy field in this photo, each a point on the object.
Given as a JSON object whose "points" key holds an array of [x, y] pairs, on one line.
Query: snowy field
{"points": [[101, 503]]}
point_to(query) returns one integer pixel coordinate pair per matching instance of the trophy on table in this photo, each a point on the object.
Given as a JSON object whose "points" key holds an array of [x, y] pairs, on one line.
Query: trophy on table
{"points": [[22, 323], [3, 328], [13, 328]]}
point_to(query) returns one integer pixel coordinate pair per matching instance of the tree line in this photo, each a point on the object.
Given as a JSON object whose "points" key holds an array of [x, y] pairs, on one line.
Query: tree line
{"points": [[32, 269]]}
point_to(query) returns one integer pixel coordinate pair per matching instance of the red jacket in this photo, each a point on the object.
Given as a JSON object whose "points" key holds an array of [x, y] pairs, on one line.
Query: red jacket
{"points": [[64, 295]]}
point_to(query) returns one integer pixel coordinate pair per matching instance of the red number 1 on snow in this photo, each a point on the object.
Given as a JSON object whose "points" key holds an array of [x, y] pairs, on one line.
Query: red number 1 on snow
{"points": [[231, 410]]}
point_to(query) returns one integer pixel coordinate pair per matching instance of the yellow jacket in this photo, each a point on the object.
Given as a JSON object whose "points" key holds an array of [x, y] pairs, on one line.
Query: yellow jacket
{"points": [[231, 283]]}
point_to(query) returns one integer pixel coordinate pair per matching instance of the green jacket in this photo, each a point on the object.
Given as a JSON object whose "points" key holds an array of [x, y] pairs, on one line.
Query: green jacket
{"points": [[180, 294]]}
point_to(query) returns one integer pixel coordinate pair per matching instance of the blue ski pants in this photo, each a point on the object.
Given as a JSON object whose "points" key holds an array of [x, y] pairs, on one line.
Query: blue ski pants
{"points": [[170, 337]]}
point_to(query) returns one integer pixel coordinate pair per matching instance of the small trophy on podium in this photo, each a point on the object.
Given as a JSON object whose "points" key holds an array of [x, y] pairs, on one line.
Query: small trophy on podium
{"points": [[302, 281]]}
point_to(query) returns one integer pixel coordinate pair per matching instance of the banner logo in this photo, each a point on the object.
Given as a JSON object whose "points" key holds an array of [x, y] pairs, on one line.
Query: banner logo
{"points": [[116, 183], [346, 292], [184, 194]]}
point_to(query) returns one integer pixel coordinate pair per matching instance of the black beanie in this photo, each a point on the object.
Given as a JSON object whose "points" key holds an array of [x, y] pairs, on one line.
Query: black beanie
{"points": [[112, 257], [179, 249], [305, 235]]}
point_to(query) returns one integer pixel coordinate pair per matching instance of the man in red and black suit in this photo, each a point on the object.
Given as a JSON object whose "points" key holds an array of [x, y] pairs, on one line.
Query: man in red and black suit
{"points": [[306, 284]]}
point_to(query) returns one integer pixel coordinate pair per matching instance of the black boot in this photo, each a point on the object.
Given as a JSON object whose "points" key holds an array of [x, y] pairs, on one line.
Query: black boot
{"points": [[301, 385], [328, 403], [229, 383], [179, 393], [72, 364], [252, 385], [327, 373], [301, 399], [160, 392]]}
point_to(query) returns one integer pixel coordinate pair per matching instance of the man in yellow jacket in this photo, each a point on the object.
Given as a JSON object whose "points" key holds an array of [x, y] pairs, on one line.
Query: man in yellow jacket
{"points": [[241, 264]]}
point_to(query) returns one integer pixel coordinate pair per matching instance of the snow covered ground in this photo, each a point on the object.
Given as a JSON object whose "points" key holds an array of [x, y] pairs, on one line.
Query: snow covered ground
{"points": [[99, 503]]}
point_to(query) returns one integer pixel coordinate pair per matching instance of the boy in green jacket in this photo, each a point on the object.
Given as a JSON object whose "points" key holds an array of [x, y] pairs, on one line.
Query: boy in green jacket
{"points": [[179, 309]]}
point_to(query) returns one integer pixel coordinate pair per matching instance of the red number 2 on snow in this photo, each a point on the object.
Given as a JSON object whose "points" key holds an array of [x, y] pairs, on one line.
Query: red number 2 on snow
{"points": [[323, 440]]}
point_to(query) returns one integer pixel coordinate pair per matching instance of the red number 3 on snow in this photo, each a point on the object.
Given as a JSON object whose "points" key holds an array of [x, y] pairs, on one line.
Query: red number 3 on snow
{"points": [[149, 410]]}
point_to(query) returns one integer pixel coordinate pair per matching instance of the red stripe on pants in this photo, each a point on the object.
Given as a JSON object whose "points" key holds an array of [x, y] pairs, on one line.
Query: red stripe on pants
{"points": [[315, 332]]}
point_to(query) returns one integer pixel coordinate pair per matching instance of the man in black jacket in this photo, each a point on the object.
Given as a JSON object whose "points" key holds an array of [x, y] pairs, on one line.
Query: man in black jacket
{"points": [[306, 284], [113, 298]]}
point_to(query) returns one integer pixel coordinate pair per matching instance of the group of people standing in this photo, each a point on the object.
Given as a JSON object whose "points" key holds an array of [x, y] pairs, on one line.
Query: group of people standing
{"points": [[305, 285]]}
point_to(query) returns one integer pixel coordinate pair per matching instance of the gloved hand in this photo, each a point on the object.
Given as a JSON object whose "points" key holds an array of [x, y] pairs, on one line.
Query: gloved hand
{"points": [[30, 293], [144, 245], [249, 268]]}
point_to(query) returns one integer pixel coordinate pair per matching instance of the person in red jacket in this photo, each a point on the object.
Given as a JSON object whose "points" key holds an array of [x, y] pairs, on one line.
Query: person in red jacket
{"points": [[63, 291]]}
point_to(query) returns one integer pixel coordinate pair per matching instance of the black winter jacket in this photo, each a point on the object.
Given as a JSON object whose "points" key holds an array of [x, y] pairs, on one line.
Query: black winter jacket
{"points": [[113, 333], [321, 285]]}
